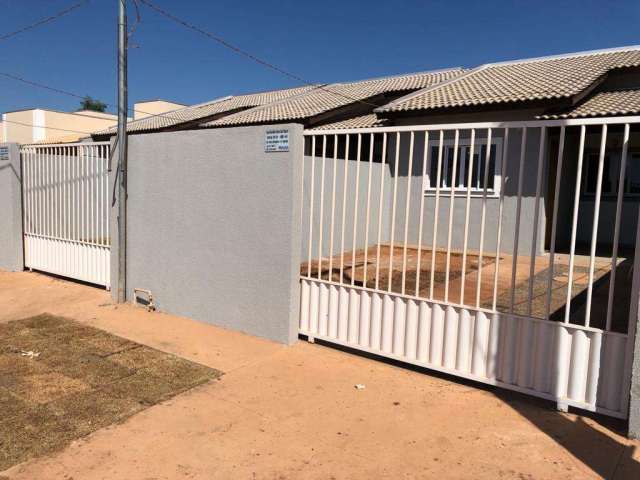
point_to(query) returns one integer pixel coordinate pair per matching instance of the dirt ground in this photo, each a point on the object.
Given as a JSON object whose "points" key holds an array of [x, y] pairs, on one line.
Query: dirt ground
{"points": [[362, 270], [61, 380], [293, 412]]}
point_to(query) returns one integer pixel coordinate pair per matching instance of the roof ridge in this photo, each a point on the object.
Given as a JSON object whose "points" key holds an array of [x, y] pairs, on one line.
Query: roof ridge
{"points": [[560, 56], [409, 96], [399, 75], [271, 104]]}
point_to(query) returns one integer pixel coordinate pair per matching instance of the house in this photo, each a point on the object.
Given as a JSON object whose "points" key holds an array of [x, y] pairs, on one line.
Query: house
{"points": [[481, 222], [44, 125], [40, 125]]}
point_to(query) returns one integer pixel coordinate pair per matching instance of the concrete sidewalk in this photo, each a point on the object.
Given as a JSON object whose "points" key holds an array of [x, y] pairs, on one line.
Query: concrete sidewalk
{"points": [[293, 412]]}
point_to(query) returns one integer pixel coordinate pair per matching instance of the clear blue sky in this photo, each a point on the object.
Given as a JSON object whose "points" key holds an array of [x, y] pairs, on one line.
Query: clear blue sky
{"points": [[324, 41]]}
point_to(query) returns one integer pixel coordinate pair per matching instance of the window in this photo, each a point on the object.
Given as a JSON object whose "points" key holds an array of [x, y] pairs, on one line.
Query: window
{"points": [[611, 174], [461, 180]]}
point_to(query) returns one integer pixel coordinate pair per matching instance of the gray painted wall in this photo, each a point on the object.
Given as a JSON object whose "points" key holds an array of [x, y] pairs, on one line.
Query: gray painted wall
{"points": [[411, 182], [11, 245], [325, 200], [213, 227]]}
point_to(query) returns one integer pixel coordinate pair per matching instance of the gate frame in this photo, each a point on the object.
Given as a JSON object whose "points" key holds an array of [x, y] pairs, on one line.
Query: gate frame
{"points": [[54, 176], [315, 304]]}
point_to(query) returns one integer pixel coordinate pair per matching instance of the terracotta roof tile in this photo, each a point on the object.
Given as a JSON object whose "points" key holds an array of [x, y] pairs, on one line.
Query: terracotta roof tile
{"points": [[535, 79], [204, 110], [620, 102], [363, 121], [333, 96]]}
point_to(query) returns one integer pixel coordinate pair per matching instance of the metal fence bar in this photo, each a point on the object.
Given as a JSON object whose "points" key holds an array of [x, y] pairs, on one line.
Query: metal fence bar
{"points": [[311, 204], [452, 199], [425, 157], [333, 204], [536, 217], [321, 215], [467, 213], [406, 213], [393, 210], [366, 228], [594, 229], [503, 183], [344, 205], [574, 224], [616, 230], [384, 159], [554, 221], [483, 215], [355, 213], [482, 125], [516, 236], [435, 217]]}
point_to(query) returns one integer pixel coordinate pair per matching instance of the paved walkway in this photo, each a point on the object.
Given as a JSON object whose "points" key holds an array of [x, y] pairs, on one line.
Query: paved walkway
{"points": [[293, 412]]}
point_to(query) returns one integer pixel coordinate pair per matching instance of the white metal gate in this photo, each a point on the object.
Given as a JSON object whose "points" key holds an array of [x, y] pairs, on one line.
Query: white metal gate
{"points": [[425, 245], [66, 210]]}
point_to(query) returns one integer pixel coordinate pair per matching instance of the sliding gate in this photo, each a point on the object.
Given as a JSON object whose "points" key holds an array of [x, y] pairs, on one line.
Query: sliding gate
{"points": [[66, 210], [498, 252]]}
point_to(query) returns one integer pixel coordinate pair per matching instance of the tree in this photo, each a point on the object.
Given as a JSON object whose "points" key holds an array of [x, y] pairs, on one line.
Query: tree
{"points": [[89, 103]]}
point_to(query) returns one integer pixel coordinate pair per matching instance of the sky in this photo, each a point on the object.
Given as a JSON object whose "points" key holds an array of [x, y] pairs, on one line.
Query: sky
{"points": [[326, 41]]}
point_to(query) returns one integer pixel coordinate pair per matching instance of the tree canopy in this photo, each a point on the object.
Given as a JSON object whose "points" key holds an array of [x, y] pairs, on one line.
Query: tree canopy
{"points": [[89, 103]]}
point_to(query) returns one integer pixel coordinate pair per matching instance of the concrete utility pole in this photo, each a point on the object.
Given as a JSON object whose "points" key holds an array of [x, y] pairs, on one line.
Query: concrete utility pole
{"points": [[122, 150]]}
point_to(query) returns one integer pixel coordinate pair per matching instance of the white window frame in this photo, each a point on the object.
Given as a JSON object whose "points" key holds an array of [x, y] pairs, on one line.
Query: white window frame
{"points": [[461, 190], [615, 157]]}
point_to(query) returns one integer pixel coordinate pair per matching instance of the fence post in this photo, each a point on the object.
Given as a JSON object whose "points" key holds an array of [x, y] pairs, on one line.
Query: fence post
{"points": [[631, 385], [11, 242]]}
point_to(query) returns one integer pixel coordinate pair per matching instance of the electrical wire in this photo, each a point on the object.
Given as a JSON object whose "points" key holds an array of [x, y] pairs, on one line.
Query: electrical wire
{"points": [[239, 51], [51, 18]]}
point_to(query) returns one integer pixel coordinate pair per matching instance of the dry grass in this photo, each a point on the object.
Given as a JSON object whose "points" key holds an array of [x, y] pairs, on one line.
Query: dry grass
{"points": [[82, 379]]}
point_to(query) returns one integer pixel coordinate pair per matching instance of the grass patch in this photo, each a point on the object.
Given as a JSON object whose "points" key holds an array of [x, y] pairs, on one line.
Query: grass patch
{"points": [[77, 380]]}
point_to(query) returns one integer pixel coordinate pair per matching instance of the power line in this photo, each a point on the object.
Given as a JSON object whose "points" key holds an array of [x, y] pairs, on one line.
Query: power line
{"points": [[246, 54], [56, 16], [77, 95]]}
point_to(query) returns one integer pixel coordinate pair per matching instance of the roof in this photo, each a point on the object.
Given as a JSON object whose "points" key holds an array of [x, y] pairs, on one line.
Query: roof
{"points": [[330, 97], [524, 80], [619, 102], [204, 110], [363, 121]]}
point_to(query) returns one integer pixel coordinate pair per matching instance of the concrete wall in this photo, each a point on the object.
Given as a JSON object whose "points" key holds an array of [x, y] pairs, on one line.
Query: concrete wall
{"points": [[213, 227], [11, 246]]}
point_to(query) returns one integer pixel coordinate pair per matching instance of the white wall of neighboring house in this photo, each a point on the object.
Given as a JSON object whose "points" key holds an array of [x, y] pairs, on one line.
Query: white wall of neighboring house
{"points": [[41, 125], [153, 107]]}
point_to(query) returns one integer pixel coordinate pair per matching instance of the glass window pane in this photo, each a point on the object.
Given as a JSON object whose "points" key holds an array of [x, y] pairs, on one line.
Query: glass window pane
{"points": [[633, 173], [433, 167]]}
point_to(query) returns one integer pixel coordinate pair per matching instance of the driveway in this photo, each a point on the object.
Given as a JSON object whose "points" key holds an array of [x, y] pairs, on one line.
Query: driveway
{"points": [[294, 412]]}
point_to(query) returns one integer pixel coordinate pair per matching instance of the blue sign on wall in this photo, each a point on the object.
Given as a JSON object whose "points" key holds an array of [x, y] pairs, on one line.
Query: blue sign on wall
{"points": [[4, 154]]}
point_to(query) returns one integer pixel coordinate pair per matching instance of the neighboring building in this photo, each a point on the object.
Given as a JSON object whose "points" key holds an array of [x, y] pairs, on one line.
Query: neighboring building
{"points": [[147, 108], [41, 125]]}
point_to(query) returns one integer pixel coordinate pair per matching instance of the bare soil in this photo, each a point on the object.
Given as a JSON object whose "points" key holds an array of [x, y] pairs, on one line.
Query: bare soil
{"points": [[409, 272], [61, 380], [292, 412]]}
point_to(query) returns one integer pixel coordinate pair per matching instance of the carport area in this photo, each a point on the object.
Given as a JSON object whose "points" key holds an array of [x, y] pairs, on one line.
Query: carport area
{"points": [[294, 412], [372, 271]]}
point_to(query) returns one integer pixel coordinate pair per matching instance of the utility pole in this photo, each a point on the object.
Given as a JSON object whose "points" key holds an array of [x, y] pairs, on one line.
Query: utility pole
{"points": [[122, 150]]}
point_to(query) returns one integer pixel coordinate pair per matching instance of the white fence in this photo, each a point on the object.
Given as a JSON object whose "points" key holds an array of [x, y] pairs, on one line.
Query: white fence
{"points": [[458, 248], [66, 210]]}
